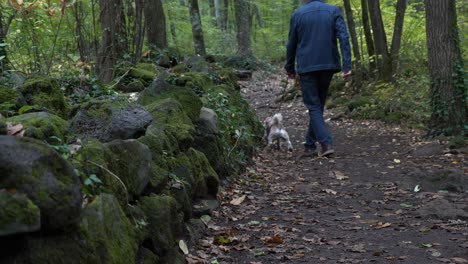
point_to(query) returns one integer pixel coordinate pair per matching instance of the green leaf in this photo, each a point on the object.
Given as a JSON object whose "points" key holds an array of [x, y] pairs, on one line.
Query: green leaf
{"points": [[94, 178]]}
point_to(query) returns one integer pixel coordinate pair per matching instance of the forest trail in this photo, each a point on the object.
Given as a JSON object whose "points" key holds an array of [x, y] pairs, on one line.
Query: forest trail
{"points": [[385, 197]]}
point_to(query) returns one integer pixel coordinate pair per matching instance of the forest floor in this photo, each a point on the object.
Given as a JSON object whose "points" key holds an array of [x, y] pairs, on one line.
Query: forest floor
{"points": [[386, 196]]}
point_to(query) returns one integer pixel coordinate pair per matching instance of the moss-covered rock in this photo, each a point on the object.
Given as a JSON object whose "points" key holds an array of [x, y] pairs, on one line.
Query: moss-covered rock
{"points": [[10, 101], [165, 225], [18, 214], [32, 168], [46, 93], [109, 121], [42, 125], [170, 114], [131, 161], [160, 90], [108, 231]]}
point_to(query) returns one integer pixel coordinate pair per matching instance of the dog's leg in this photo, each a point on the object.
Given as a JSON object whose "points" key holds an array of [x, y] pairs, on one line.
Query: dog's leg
{"points": [[290, 147]]}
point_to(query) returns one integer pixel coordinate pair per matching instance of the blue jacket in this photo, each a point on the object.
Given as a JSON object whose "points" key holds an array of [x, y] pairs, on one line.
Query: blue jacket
{"points": [[314, 30]]}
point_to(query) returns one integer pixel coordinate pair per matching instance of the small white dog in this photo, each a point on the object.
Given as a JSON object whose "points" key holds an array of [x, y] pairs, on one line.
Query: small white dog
{"points": [[274, 131]]}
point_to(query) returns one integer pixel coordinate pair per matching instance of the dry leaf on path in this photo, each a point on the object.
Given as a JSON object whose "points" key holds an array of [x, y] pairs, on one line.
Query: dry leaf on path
{"points": [[338, 175], [330, 191], [238, 201]]}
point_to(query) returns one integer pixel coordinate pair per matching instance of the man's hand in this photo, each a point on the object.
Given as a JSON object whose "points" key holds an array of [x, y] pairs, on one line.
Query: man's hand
{"points": [[346, 74], [291, 75]]}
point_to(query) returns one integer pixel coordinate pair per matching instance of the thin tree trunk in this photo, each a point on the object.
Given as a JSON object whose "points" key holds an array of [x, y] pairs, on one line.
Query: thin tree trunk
{"points": [[380, 40], [155, 21], [139, 30], [197, 30], [78, 9], [446, 70], [113, 45], [243, 23], [398, 31], [218, 13], [352, 32], [368, 37]]}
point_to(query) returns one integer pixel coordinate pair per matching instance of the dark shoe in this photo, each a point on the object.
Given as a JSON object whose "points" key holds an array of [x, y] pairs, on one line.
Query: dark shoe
{"points": [[308, 153], [326, 151]]}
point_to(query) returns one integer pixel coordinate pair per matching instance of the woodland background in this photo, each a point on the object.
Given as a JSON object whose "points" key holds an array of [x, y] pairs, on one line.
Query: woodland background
{"points": [[409, 56]]}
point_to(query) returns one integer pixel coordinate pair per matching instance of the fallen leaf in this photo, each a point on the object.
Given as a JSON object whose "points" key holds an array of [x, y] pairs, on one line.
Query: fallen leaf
{"points": [[338, 175], [275, 240], [14, 130], [330, 191], [397, 161], [238, 201], [381, 225], [459, 260], [183, 247]]}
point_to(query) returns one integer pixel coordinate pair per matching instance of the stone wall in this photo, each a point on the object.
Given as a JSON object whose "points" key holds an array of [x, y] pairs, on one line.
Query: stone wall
{"points": [[114, 180]]}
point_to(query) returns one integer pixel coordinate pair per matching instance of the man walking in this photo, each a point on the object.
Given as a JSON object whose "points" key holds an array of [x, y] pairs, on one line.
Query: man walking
{"points": [[312, 53]]}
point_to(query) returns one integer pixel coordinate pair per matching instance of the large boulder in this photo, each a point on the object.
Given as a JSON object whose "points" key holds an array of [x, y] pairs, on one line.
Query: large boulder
{"points": [[32, 168], [42, 125], [108, 122]]}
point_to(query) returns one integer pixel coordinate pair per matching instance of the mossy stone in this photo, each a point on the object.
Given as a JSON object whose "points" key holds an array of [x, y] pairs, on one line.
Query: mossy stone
{"points": [[33, 168], [160, 89], [169, 113], [165, 225], [42, 126], [45, 92], [18, 214], [9, 101], [109, 231]]}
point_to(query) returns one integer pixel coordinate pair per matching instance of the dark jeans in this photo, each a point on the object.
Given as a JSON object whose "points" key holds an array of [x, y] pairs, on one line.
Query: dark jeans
{"points": [[314, 87]]}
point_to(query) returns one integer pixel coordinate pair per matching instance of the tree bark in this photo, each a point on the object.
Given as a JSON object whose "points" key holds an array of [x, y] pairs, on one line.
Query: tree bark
{"points": [[446, 70], [352, 31], [155, 21], [398, 31], [197, 30], [368, 37], [139, 30], [78, 9], [243, 23], [114, 41], [380, 40]]}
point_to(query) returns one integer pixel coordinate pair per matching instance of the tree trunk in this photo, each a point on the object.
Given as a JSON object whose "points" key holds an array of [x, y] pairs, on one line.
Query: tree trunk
{"points": [[398, 31], [78, 9], [352, 32], [243, 23], [197, 30], [3, 52], [380, 40], [114, 44], [155, 21], [139, 30], [225, 14], [447, 92], [368, 37], [217, 8]]}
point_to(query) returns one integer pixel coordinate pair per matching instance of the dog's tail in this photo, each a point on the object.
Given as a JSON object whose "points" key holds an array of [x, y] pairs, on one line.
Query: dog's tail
{"points": [[277, 119]]}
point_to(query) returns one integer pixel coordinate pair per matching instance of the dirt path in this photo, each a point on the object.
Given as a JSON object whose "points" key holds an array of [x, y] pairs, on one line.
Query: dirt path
{"points": [[385, 197]]}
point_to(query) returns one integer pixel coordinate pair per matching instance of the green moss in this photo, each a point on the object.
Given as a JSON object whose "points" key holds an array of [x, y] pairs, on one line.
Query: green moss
{"points": [[160, 90], [142, 74], [29, 109], [18, 214], [9, 101], [205, 177], [45, 93], [171, 115], [108, 231], [42, 125], [165, 225]]}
